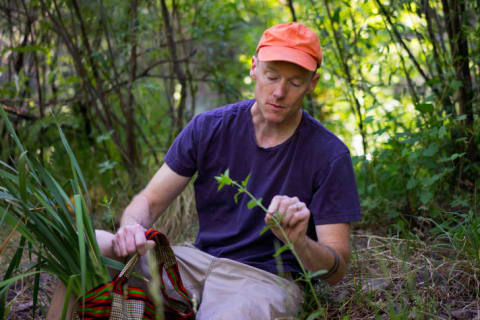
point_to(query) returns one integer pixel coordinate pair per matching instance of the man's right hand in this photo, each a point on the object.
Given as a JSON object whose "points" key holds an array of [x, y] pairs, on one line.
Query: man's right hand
{"points": [[130, 239]]}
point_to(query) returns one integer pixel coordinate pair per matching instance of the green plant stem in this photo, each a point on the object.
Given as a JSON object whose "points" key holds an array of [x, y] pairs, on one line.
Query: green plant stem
{"points": [[288, 243]]}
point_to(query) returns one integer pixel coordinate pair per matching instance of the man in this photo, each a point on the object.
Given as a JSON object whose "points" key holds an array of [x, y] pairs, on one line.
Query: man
{"points": [[299, 168]]}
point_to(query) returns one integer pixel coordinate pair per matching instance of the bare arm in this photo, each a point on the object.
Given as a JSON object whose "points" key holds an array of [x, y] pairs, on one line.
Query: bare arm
{"points": [[333, 239], [316, 256], [147, 206], [144, 210]]}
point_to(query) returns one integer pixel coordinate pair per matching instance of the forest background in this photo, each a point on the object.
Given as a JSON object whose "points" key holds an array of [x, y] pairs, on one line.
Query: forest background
{"points": [[400, 84]]}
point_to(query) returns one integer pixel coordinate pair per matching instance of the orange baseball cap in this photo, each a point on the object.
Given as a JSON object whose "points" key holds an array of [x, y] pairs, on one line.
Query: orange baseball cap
{"points": [[291, 42]]}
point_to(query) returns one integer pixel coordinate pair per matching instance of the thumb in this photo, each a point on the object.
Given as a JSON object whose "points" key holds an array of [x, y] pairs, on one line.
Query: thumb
{"points": [[150, 244]]}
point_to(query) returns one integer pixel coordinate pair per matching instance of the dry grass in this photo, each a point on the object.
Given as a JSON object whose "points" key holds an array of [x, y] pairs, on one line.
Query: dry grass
{"points": [[391, 278], [180, 222]]}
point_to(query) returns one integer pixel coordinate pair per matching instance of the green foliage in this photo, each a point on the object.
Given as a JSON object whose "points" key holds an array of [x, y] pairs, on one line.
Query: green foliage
{"points": [[460, 231], [412, 173], [57, 231]]}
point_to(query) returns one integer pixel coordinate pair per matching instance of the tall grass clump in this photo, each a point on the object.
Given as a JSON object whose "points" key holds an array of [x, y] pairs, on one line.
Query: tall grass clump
{"points": [[53, 219]]}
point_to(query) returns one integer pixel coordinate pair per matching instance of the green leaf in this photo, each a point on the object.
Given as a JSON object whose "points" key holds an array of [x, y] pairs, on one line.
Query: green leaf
{"points": [[336, 15], [12, 280], [426, 197], [14, 136], [317, 273], [452, 157], [315, 315], [456, 84], [266, 228], [424, 107], [412, 183], [66, 301], [73, 160], [223, 180], [36, 283], [7, 196], [431, 180], [104, 137], [281, 250], [368, 119], [431, 150], [235, 197], [252, 204], [22, 176], [81, 240], [245, 182]]}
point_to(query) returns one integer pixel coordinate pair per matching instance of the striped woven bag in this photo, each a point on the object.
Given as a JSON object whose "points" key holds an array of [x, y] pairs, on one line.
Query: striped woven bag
{"points": [[117, 300]]}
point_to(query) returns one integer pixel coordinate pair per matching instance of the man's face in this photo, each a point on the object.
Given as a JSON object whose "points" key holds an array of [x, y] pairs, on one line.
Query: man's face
{"points": [[280, 88]]}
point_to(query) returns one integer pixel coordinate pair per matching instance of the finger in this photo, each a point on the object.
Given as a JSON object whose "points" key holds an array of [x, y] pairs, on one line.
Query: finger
{"points": [[299, 217], [290, 211], [140, 242], [120, 239], [130, 242], [273, 207], [285, 205], [116, 249], [150, 244], [268, 217]]}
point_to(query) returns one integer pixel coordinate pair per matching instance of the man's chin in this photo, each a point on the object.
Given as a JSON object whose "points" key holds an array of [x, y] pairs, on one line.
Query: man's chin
{"points": [[274, 117]]}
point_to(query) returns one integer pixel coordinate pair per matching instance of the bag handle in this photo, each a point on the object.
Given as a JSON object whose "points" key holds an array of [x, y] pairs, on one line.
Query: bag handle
{"points": [[166, 260], [129, 266]]}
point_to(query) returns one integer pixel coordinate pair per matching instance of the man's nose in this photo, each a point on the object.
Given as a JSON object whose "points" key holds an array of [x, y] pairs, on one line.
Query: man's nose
{"points": [[280, 90]]}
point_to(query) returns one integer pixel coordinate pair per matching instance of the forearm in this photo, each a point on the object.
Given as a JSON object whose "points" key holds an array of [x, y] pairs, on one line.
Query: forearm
{"points": [[138, 212], [316, 256]]}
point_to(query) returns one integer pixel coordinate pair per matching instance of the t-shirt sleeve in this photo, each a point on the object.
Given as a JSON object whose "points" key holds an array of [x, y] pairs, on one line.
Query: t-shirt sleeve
{"points": [[183, 153], [336, 198]]}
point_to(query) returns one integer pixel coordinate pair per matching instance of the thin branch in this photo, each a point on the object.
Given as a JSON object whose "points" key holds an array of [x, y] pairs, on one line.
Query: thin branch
{"points": [[357, 109], [22, 113], [176, 67], [292, 10], [402, 43]]}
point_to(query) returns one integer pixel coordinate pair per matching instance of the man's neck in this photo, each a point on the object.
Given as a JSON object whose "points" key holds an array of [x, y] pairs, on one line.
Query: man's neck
{"points": [[270, 134]]}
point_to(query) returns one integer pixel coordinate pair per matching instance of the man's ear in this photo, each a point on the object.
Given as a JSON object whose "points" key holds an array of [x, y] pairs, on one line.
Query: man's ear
{"points": [[253, 68], [313, 82]]}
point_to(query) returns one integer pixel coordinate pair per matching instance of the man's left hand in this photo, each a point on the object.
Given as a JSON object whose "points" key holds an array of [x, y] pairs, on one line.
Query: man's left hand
{"points": [[294, 216]]}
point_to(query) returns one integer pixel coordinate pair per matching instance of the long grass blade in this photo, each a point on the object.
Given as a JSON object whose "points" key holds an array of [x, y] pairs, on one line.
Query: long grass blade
{"points": [[14, 136], [93, 245], [10, 281], [9, 237], [7, 196], [75, 166], [3, 163], [66, 302], [14, 263], [22, 176], [81, 240], [36, 284], [5, 212]]}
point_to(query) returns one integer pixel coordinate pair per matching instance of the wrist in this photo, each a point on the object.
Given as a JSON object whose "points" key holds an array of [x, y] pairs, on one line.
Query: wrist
{"points": [[301, 244]]}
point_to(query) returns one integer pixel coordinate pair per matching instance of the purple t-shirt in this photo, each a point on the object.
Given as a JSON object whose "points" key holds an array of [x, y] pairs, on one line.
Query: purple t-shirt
{"points": [[313, 164]]}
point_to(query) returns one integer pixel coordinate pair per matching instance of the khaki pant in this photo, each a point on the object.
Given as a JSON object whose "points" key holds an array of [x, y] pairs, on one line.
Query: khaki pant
{"points": [[229, 290]]}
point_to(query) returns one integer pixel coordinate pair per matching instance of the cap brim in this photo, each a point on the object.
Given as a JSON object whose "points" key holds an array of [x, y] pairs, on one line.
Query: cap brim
{"points": [[298, 57]]}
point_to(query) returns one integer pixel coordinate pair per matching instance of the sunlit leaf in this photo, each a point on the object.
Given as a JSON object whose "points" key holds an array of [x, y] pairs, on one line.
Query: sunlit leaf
{"points": [[282, 249], [424, 107], [245, 182], [251, 204]]}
